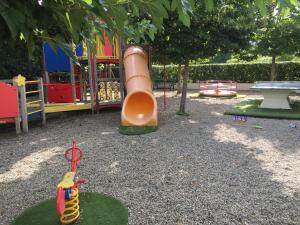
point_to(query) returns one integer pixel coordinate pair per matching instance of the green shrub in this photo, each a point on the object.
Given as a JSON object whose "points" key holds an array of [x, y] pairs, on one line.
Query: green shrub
{"points": [[241, 72]]}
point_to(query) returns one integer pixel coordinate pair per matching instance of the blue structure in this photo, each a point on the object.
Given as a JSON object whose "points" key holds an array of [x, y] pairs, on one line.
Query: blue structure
{"points": [[55, 61], [58, 61]]}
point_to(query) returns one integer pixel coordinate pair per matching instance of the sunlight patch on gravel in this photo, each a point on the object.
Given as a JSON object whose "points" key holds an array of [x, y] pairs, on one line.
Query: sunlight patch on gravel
{"points": [[272, 158], [26, 167]]}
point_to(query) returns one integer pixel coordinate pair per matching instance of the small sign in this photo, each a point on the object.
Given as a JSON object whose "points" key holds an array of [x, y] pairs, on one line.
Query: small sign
{"points": [[240, 119]]}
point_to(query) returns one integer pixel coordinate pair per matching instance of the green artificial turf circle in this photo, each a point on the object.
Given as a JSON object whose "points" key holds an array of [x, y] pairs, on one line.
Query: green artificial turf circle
{"points": [[136, 130], [251, 108], [95, 209]]}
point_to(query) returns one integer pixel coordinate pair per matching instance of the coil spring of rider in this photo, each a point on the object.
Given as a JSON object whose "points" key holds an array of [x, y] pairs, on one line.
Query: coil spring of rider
{"points": [[71, 212]]}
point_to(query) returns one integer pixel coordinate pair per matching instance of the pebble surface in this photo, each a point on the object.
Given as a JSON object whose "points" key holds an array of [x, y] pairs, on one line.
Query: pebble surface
{"points": [[201, 169]]}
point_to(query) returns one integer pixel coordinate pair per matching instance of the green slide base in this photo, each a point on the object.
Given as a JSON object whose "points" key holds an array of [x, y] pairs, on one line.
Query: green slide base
{"points": [[95, 209], [136, 130], [178, 113], [250, 108]]}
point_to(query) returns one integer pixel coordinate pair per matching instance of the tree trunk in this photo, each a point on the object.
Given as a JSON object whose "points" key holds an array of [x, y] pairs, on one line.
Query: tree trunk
{"points": [[184, 87], [273, 68], [179, 79]]}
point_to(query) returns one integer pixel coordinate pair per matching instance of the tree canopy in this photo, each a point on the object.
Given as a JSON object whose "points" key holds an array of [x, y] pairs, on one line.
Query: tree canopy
{"points": [[69, 21], [278, 33], [228, 28]]}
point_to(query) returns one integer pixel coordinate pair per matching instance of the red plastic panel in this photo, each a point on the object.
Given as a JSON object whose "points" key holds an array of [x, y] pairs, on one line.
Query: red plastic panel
{"points": [[62, 92], [108, 49], [9, 105]]}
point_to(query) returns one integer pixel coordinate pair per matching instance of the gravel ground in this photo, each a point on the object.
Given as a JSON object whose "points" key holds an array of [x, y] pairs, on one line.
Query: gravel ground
{"points": [[200, 169]]}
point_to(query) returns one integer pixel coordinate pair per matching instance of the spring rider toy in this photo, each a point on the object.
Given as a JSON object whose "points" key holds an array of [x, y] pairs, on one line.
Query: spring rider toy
{"points": [[67, 194]]}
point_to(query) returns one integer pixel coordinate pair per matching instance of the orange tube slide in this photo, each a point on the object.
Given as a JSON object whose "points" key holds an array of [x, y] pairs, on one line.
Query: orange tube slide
{"points": [[140, 106]]}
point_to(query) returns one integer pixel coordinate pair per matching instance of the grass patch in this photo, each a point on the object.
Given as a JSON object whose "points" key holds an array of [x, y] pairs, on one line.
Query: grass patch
{"points": [[95, 209], [221, 97], [179, 113], [136, 130], [251, 108]]}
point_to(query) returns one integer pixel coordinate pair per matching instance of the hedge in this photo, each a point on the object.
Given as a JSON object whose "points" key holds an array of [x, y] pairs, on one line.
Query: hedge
{"points": [[241, 72]]}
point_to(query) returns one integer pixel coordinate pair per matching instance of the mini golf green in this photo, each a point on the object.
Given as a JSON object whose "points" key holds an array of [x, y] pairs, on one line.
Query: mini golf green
{"points": [[95, 209], [250, 108], [136, 130]]}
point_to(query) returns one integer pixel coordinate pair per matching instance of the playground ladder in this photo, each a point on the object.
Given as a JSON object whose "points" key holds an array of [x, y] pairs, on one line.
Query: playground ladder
{"points": [[25, 103]]}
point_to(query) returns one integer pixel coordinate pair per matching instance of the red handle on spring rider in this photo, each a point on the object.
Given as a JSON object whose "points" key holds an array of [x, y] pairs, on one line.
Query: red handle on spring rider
{"points": [[74, 158]]}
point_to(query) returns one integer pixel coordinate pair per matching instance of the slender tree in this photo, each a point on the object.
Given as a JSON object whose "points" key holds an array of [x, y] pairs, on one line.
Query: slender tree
{"points": [[227, 29], [279, 34]]}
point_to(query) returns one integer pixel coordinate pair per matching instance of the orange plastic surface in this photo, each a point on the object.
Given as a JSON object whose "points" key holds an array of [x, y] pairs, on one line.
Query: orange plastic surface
{"points": [[140, 106]]}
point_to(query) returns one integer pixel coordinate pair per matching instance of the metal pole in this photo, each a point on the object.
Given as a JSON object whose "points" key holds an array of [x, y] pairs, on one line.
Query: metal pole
{"points": [[121, 72], [91, 71], [41, 96], [96, 85]]}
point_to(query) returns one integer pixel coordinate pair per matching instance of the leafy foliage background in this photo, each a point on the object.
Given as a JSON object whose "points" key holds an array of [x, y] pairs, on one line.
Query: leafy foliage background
{"points": [[14, 60], [240, 72]]}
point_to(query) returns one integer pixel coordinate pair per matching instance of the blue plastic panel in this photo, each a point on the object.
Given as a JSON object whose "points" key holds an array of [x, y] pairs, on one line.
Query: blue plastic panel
{"points": [[56, 62]]}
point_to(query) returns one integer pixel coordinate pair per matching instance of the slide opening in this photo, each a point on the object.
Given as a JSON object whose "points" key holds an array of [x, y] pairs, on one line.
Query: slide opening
{"points": [[139, 108]]}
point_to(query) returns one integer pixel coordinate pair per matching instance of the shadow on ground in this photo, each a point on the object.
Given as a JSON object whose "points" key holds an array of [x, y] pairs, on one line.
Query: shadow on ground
{"points": [[194, 170]]}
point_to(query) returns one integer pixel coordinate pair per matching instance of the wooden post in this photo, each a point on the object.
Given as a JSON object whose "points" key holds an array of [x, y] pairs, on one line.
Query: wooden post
{"points": [[109, 70], [41, 97], [47, 81], [91, 71], [24, 117], [18, 118], [81, 83], [121, 72], [18, 126], [72, 78]]}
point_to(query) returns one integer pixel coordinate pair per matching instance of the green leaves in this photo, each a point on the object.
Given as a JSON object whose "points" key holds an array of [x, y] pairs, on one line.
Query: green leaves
{"points": [[184, 17], [13, 17], [184, 9], [70, 21], [228, 29], [138, 33], [262, 6], [209, 4]]}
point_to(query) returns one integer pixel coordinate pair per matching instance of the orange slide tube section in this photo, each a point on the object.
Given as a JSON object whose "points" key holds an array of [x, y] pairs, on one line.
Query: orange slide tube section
{"points": [[140, 106]]}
